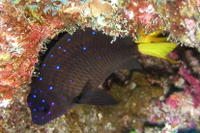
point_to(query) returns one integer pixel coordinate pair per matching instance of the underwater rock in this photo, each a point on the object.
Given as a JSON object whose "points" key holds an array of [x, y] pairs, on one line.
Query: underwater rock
{"points": [[26, 27]]}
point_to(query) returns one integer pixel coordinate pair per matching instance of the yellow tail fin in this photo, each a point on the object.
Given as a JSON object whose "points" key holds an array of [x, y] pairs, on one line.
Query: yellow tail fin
{"points": [[147, 39], [152, 37], [157, 49], [155, 46]]}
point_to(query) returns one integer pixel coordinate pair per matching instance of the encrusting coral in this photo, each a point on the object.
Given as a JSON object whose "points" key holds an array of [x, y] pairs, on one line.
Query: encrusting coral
{"points": [[27, 25]]}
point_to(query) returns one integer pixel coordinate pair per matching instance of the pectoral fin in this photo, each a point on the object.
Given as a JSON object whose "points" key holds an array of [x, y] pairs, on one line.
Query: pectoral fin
{"points": [[94, 96]]}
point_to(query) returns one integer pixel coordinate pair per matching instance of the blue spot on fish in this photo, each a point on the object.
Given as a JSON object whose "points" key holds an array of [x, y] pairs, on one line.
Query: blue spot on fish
{"points": [[51, 55], [40, 79], [84, 48], [69, 39], [50, 88], [43, 101], [57, 67]]}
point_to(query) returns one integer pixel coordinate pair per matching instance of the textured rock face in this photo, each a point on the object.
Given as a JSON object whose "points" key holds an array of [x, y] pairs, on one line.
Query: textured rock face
{"points": [[26, 26]]}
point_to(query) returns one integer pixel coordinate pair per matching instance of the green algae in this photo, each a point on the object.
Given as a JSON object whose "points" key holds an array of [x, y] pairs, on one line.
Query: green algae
{"points": [[33, 12], [15, 1]]}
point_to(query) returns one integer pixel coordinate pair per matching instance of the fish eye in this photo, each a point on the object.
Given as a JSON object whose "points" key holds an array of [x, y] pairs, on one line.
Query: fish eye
{"points": [[44, 109]]}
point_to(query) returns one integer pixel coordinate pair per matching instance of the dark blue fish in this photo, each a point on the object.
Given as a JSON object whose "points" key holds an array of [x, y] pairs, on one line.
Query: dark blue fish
{"points": [[73, 70]]}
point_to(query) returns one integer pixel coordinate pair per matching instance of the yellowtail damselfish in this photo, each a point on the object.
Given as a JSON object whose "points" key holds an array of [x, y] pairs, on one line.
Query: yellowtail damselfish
{"points": [[75, 67]]}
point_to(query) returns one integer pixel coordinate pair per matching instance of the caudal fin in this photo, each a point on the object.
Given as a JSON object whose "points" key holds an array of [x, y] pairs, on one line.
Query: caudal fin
{"points": [[157, 49], [155, 46]]}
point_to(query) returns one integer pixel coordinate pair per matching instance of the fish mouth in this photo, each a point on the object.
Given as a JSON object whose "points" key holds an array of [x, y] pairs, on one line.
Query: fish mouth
{"points": [[38, 113], [39, 117]]}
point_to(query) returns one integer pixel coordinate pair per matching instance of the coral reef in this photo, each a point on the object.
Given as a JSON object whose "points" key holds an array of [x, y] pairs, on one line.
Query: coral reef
{"points": [[180, 104], [26, 27]]}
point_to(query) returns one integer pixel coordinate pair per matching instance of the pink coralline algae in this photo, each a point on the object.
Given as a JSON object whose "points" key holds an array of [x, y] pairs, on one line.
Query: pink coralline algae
{"points": [[178, 111], [27, 25], [193, 85], [172, 101], [19, 47]]}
